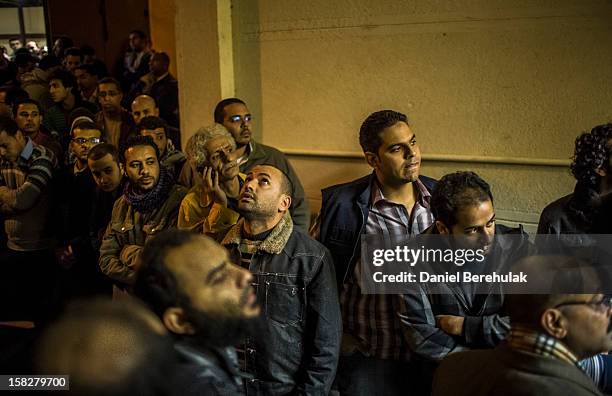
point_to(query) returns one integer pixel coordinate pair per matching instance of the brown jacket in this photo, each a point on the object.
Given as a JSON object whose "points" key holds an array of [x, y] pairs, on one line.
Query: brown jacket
{"points": [[128, 231]]}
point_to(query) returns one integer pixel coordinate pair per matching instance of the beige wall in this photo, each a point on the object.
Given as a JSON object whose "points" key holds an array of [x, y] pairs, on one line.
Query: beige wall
{"points": [[162, 14], [484, 83], [498, 87]]}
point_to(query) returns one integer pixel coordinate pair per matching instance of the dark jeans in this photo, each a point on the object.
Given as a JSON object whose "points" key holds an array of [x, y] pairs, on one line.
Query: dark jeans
{"points": [[359, 375], [28, 285]]}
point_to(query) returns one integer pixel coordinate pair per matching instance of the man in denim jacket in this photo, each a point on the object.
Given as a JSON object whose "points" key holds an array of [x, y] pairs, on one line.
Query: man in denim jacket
{"points": [[297, 350]]}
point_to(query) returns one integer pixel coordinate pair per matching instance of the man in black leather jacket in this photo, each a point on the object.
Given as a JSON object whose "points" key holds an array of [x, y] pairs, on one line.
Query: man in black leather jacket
{"points": [[205, 301], [297, 350]]}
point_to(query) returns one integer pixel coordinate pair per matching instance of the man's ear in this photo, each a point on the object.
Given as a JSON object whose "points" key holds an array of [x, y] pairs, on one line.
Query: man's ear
{"points": [[156, 112], [553, 322], [175, 321], [372, 159], [442, 228], [285, 203]]}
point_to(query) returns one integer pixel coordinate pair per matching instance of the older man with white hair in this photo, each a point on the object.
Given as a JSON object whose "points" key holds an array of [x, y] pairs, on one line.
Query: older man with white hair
{"points": [[210, 206]]}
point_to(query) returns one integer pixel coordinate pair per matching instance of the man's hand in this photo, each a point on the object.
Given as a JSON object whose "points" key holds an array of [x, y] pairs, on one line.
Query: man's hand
{"points": [[453, 325], [211, 186]]}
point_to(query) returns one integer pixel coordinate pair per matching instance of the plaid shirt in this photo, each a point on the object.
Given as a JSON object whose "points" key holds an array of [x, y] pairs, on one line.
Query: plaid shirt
{"points": [[528, 340], [372, 319]]}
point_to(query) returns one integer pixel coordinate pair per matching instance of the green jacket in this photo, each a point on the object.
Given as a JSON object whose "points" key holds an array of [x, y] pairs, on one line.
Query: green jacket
{"points": [[128, 231]]}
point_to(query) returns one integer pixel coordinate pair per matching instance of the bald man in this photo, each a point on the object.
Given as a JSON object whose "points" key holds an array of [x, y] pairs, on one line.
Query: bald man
{"points": [[144, 106]]}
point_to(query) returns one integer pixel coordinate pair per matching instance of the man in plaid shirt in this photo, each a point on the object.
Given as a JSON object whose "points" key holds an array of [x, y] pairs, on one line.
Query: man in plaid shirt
{"points": [[393, 200], [460, 316]]}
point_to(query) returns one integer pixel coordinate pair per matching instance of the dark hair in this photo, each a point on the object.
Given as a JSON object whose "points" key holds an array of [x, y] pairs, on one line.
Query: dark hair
{"points": [[89, 69], [155, 283], [67, 78], [220, 108], [22, 59], [73, 51], [85, 124], [457, 190], [138, 140], [8, 125], [369, 133], [591, 152], [26, 101], [48, 62], [151, 123], [100, 150], [14, 39], [65, 41], [163, 56], [141, 35], [110, 80], [286, 184], [14, 95]]}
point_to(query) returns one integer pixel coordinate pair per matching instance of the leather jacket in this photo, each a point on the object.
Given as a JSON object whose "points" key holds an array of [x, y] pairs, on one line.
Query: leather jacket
{"points": [[297, 350], [210, 371]]}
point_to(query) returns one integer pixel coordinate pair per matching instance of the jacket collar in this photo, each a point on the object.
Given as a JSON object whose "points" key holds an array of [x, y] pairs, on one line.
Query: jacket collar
{"points": [[273, 244]]}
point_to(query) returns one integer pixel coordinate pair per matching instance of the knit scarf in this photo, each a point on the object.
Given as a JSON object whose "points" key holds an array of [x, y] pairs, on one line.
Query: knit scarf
{"points": [[148, 201]]}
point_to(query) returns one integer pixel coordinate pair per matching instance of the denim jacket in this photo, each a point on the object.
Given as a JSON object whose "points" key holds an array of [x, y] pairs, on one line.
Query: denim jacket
{"points": [[297, 350]]}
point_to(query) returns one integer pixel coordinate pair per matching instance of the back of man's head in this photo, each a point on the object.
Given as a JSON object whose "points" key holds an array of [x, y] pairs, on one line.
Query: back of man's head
{"points": [[455, 191], [108, 348]]}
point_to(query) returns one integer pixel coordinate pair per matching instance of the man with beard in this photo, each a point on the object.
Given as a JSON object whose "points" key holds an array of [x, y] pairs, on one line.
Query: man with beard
{"points": [[205, 301], [456, 316], [297, 350], [116, 123], [29, 116], [549, 334], [211, 206], [157, 129], [393, 200], [149, 204], [234, 115]]}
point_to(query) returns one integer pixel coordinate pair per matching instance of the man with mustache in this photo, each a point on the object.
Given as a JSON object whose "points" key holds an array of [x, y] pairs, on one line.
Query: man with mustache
{"points": [[157, 129], [297, 350], [458, 317], [234, 115], [29, 115], [205, 301], [392, 200], [211, 205], [550, 333], [149, 204]]}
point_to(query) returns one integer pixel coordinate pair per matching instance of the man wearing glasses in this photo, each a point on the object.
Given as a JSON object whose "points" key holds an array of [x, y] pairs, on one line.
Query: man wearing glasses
{"points": [[550, 333], [115, 122], [234, 115], [78, 256]]}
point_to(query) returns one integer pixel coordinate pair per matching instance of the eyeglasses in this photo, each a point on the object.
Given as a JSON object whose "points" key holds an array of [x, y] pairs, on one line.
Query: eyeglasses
{"points": [[93, 140], [240, 119], [601, 306]]}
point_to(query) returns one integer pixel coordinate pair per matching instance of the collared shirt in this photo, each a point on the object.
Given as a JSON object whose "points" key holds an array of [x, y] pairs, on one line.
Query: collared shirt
{"points": [[245, 157], [372, 319], [528, 340]]}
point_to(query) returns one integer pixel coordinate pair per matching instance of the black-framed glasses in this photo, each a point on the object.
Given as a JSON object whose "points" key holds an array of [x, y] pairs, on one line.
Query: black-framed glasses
{"points": [[601, 306], [241, 119], [93, 140]]}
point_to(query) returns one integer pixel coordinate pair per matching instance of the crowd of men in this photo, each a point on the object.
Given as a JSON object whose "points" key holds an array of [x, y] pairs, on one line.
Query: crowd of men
{"points": [[211, 279]]}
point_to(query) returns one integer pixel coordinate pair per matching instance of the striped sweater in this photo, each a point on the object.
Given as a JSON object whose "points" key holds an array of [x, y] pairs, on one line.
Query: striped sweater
{"points": [[24, 197]]}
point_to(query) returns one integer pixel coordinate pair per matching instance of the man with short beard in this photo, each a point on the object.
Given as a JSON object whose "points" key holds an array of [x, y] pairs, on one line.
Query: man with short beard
{"points": [[204, 300], [150, 204], [297, 350], [234, 115], [29, 115], [211, 206]]}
